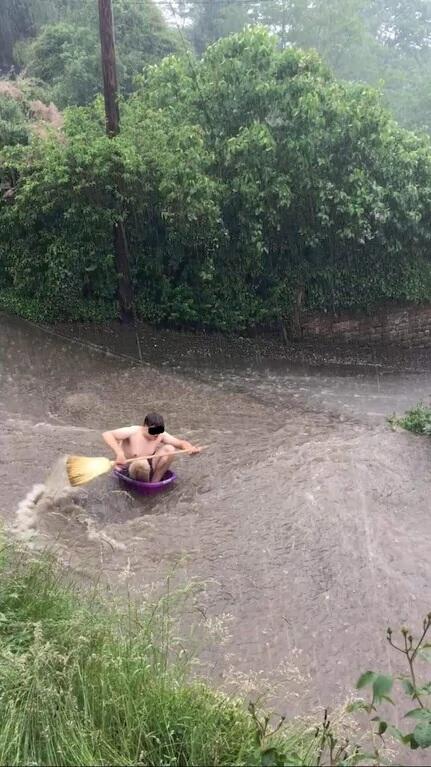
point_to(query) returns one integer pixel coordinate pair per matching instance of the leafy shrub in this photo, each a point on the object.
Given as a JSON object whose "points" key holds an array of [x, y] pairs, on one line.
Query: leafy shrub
{"points": [[417, 420]]}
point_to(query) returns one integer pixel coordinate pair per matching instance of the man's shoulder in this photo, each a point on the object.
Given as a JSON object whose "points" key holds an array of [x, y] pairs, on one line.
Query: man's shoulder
{"points": [[129, 430]]}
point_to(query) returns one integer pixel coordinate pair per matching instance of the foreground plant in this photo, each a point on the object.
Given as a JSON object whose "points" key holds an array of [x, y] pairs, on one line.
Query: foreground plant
{"points": [[418, 718]]}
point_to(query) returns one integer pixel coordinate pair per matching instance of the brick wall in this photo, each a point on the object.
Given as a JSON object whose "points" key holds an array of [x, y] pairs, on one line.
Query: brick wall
{"points": [[410, 325]]}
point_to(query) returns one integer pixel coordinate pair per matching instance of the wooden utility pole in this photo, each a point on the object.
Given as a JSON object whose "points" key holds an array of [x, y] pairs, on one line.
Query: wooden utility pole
{"points": [[112, 114]]}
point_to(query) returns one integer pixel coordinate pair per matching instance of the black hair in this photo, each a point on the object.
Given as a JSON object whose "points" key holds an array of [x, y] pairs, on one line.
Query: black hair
{"points": [[154, 419]]}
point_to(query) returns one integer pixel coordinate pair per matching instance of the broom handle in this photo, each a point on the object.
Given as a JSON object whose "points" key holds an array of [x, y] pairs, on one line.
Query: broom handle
{"points": [[160, 455]]}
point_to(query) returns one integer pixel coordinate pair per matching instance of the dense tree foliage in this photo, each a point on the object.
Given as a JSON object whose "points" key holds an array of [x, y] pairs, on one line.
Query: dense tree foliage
{"points": [[13, 122], [244, 178], [383, 43], [67, 59], [62, 50]]}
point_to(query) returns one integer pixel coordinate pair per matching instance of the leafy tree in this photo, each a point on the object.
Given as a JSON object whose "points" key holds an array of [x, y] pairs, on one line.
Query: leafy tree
{"points": [[405, 26], [58, 43], [142, 36], [13, 123], [214, 19], [21, 20], [16, 22], [245, 178], [67, 59], [385, 43]]}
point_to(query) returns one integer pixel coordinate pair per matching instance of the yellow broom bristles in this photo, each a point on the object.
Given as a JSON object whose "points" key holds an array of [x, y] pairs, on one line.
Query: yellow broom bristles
{"points": [[81, 469]]}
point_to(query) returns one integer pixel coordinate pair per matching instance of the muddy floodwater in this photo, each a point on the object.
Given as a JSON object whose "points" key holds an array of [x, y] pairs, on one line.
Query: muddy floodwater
{"points": [[308, 519]]}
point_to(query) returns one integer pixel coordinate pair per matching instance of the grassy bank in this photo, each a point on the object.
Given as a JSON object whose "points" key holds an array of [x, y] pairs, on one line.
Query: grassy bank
{"points": [[83, 681]]}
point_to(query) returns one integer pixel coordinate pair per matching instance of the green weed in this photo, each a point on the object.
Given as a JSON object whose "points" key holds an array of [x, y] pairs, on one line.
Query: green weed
{"points": [[417, 420]]}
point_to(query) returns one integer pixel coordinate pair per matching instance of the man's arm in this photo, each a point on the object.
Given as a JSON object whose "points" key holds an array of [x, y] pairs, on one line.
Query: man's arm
{"points": [[115, 440], [180, 444]]}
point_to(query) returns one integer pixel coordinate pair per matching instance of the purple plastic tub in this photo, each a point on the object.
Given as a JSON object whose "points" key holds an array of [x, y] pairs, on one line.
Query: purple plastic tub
{"points": [[145, 488]]}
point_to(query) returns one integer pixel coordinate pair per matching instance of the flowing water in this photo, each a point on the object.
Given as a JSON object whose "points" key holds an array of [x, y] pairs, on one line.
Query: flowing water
{"points": [[307, 519]]}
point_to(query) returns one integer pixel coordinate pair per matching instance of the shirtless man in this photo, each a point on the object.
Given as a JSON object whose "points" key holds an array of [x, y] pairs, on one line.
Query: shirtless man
{"points": [[146, 440]]}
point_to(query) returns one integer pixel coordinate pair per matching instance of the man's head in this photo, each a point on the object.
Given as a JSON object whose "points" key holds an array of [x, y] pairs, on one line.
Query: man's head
{"points": [[154, 424]]}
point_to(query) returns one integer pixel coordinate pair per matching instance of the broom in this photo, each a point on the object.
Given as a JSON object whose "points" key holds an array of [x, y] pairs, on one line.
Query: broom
{"points": [[81, 469]]}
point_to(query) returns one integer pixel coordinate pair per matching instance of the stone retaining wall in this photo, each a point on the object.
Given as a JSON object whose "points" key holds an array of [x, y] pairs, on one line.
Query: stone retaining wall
{"points": [[410, 325]]}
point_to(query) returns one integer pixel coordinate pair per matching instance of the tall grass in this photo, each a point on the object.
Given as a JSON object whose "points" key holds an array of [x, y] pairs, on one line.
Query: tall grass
{"points": [[84, 682]]}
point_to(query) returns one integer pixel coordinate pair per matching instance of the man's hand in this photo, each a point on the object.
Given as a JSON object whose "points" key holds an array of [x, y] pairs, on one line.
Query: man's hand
{"points": [[192, 448]]}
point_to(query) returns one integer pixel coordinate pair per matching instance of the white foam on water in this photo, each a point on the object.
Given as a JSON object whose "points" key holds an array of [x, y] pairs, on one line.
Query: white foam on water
{"points": [[42, 498], [27, 513], [56, 495]]}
